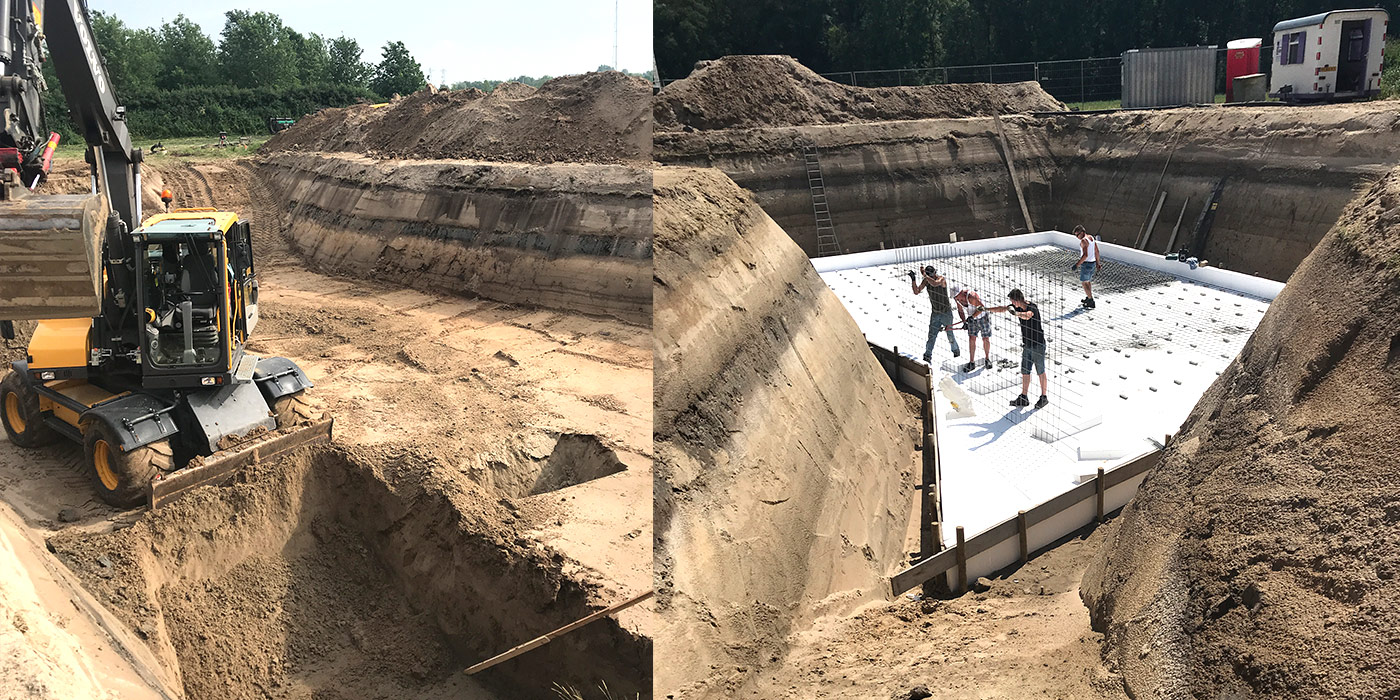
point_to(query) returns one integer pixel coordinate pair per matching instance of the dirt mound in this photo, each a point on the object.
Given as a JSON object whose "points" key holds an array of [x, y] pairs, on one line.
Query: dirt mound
{"points": [[350, 574], [590, 118], [1259, 559], [745, 92], [784, 452]]}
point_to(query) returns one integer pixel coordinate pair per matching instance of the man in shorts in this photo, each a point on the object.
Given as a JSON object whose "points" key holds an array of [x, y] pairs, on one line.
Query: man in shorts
{"points": [[977, 322], [1032, 347], [941, 314], [1088, 264]]}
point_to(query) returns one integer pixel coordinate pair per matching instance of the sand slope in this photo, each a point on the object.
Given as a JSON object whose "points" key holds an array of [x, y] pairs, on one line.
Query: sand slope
{"points": [[783, 450], [590, 118], [1260, 558], [745, 92]]}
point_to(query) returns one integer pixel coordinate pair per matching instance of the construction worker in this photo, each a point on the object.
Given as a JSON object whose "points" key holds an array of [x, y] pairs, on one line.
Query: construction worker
{"points": [[1032, 347], [941, 317], [974, 318], [1088, 264]]}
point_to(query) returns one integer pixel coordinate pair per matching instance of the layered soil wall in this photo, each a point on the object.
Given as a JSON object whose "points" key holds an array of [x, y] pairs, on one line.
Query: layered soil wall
{"points": [[783, 450], [1289, 172], [566, 236], [351, 574], [1259, 558]]}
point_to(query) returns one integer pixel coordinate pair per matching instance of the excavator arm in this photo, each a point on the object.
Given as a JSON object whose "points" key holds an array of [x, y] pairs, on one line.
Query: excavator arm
{"points": [[51, 245]]}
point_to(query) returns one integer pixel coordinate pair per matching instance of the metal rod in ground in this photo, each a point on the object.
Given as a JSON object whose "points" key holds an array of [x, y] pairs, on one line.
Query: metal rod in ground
{"points": [[544, 639]]}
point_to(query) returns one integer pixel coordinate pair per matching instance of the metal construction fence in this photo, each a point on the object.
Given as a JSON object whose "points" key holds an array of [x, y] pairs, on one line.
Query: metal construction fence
{"points": [[1079, 81]]}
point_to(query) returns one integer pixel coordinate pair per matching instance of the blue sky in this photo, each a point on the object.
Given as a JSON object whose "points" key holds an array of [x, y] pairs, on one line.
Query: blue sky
{"points": [[469, 40]]}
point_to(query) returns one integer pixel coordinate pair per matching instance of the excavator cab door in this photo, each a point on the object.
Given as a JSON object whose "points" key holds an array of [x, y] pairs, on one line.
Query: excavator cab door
{"points": [[183, 289], [244, 284]]}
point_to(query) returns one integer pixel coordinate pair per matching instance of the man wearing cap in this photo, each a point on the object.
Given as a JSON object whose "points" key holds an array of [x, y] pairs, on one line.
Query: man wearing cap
{"points": [[975, 319], [1088, 264], [1032, 347], [941, 316]]}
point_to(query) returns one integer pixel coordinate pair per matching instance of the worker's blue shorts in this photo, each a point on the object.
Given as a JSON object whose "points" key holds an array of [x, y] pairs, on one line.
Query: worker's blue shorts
{"points": [[982, 325], [1032, 355], [1086, 271]]}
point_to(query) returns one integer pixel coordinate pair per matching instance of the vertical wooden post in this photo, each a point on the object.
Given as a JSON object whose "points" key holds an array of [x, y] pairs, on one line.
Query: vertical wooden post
{"points": [[1098, 493], [1021, 531], [962, 561]]}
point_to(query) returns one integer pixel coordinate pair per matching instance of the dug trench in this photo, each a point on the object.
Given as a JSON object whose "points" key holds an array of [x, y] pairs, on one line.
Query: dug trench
{"points": [[349, 573], [903, 168], [482, 490]]}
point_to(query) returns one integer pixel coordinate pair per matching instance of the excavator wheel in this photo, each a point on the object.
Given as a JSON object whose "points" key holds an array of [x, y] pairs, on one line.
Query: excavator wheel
{"points": [[122, 479], [297, 409], [19, 411]]}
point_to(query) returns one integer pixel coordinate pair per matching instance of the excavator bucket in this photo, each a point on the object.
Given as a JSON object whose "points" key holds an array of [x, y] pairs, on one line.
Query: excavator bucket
{"points": [[51, 256], [219, 466]]}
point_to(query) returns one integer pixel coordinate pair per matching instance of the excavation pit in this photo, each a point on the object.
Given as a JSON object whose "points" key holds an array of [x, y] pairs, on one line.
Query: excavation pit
{"points": [[1121, 376], [352, 574]]}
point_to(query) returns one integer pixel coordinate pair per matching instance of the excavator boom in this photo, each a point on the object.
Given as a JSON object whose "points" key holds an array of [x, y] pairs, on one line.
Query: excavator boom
{"points": [[50, 245]]}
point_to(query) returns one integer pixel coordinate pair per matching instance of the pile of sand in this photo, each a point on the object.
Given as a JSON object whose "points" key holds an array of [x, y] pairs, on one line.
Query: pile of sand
{"points": [[590, 118], [1260, 559], [783, 451], [743, 92]]}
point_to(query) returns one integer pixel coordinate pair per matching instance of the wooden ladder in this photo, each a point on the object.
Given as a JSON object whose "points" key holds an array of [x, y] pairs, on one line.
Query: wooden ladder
{"points": [[826, 233]]}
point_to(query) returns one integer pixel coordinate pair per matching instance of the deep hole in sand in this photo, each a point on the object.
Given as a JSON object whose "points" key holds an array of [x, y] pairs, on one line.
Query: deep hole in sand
{"points": [[324, 577], [574, 459]]}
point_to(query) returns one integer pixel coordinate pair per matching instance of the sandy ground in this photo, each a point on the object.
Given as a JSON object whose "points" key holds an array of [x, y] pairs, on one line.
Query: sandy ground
{"points": [[1010, 641], [480, 386], [56, 643]]}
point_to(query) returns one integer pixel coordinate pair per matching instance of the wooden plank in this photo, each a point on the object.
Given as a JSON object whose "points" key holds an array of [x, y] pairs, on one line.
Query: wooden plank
{"points": [[1022, 530], [962, 561], [923, 571], [1146, 234], [1098, 495], [947, 560], [1011, 168], [548, 637], [1134, 468]]}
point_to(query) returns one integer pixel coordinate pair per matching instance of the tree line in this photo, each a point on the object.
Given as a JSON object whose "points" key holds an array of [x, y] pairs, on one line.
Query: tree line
{"points": [[184, 83], [843, 35], [489, 85]]}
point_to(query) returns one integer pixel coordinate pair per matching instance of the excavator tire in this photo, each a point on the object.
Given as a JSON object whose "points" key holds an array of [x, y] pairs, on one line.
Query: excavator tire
{"points": [[122, 479], [19, 411], [296, 409]]}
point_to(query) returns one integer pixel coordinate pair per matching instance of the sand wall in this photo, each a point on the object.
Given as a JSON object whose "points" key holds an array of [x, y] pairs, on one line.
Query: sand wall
{"points": [[1259, 558], [783, 451], [888, 185], [566, 236], [1290, 172]]}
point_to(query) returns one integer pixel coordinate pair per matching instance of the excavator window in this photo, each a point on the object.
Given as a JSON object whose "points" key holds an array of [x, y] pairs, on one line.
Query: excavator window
{"points": [[184, 288]]}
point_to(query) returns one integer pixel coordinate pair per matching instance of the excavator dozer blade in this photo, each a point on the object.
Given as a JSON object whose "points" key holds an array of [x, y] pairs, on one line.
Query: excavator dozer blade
{"points": [[51, 256], [222, 464]]}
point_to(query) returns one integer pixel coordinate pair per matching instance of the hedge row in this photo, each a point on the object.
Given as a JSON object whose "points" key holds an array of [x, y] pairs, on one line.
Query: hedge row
{"points": [[203, 111]]}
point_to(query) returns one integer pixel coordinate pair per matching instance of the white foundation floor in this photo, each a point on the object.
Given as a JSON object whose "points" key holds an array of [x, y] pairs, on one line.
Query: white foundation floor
{"points": [[1121, 376]]}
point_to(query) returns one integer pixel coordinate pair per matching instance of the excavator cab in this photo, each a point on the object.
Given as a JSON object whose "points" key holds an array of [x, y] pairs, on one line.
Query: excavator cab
{"points": [[195, 280]]}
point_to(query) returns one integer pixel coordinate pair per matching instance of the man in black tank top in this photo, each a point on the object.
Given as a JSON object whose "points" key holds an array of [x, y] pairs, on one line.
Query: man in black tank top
{"points": [[1032, 347], [942, 311]]}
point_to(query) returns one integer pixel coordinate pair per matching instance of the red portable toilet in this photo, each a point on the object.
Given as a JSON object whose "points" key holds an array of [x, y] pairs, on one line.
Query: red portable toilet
{"points": [[1241, 58]]}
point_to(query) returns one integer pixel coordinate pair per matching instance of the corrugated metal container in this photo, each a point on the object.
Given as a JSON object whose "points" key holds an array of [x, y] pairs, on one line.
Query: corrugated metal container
{"points": [[1166, 77]]}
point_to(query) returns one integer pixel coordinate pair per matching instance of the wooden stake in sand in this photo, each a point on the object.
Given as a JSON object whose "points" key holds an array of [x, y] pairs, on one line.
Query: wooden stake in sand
{"points": [[544, 639]]}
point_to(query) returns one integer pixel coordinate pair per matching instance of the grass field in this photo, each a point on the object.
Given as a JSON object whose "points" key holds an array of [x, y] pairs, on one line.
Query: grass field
{"points": [[185, 148]]}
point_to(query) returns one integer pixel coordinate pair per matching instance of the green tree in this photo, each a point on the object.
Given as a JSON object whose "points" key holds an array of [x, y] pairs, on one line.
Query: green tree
{"points": [[313, 60], [344, 63], [397, 72], [255, 51], [186, 55], [132, 56]]}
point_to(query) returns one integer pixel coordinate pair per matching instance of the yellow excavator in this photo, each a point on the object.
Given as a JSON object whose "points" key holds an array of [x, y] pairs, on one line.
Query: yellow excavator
{"points": [[139, 350]]}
